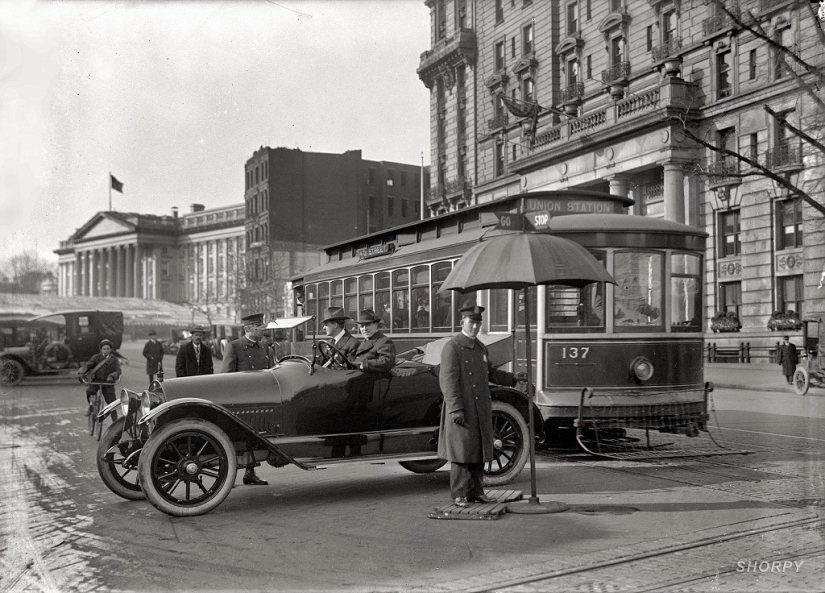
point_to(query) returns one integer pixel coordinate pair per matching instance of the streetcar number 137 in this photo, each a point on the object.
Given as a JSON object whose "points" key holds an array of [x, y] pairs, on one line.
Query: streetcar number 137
{"points": [[574, 352]]}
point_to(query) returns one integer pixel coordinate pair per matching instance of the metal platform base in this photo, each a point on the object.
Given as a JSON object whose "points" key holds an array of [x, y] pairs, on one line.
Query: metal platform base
{"points": [[489, 511]]}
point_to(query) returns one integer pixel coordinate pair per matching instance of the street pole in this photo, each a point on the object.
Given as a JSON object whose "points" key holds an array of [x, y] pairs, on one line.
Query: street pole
{"points": [[421, 213]]}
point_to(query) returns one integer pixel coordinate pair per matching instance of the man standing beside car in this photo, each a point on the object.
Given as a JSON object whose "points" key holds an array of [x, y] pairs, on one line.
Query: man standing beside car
{"points": [[465, 437], [247, 353], [194, 357], [153, 353], [787, 358]]}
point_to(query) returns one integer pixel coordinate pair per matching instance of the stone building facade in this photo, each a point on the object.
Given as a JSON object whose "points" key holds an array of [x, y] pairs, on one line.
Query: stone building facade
{"points": [[605, 95]]}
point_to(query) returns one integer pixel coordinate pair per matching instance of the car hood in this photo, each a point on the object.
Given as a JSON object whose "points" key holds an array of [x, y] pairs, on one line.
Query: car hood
{"points": [[248, 387]]}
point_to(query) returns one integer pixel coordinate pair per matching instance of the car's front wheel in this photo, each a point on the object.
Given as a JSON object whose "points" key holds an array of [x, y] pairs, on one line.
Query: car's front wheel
{"points": [[187, 467], [511, 438], [11, 372], [118, 468]]}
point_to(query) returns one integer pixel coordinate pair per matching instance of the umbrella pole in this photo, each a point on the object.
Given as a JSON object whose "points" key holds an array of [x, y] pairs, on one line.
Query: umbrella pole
{"points": [[532, 506]]}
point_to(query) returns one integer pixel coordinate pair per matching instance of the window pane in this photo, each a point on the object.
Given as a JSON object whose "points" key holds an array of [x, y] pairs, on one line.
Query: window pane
{"points": [[365, 284], [382, 280], [441, 270], [686, 292], [421, 300], [350, 285], [499, 304], [442, 310], [639, 296], [421, 275], [570, 309], [382, 308]]}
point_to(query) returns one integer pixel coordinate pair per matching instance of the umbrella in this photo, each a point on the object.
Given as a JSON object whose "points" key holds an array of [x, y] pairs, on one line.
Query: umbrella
{"points": [[518, 261]]}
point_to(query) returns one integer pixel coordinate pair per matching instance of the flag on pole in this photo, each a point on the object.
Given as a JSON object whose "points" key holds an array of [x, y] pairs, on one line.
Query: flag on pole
{"points": [[115, 184]]}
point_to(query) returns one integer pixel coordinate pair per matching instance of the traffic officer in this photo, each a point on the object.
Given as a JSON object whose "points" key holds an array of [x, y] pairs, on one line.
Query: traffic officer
{"points": [[248, 354], [466, 434]]}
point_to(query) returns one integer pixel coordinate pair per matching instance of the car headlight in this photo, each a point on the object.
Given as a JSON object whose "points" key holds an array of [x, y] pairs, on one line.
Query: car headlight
{"points": [[126, 397], [641, 368], [145, 403]]}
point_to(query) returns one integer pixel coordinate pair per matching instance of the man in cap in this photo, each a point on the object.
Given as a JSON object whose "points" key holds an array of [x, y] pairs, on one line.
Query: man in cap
{"points": [[377, 352], [194, 357], [787, 358], [153, 353], [247, 353], [103, 367], [334, 321], [466, 434]]}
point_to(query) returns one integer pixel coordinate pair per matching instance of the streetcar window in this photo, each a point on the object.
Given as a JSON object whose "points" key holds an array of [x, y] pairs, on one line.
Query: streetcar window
{"points": [[574, 309], [685, 292], [499, 305], [336, 291], [638, 299], [365, 300], [382, 298], [420, 298], [400, 300], [442, 304]]}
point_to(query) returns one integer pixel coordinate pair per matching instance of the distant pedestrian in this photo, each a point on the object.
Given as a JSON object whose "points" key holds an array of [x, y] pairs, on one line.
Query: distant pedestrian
{"points": [[194, 357], [153, 353], [466, 434], [786, 356]]}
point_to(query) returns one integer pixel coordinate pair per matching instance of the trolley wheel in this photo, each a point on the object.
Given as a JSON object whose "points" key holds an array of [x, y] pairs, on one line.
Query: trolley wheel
{"points": [[801, 381]]}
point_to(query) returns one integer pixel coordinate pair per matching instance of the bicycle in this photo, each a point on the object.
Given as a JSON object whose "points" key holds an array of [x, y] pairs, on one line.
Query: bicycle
{"points": [[97, 403]]}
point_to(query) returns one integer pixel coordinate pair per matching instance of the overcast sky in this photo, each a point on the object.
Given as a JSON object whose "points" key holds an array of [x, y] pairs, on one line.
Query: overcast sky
{"points": [[174, 97]]}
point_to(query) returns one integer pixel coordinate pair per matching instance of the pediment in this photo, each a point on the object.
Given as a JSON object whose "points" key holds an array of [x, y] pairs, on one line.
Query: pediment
{"points": [[569, 44], [613, 21], [102, 227]]}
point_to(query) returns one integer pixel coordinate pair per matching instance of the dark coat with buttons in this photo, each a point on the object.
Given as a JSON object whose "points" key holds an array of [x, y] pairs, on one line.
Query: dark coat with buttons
{"points": [[464, 377], [187, 363], [153, 352], [377, 353], [787, 357], [245, 355]]}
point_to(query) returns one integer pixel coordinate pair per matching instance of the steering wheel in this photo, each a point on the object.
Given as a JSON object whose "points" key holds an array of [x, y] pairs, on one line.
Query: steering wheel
{"points": [[334, 355]]}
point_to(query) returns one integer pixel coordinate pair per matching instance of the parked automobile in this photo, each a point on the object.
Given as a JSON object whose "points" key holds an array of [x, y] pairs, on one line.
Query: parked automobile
{"points": [[181, 445], [56, 343]]}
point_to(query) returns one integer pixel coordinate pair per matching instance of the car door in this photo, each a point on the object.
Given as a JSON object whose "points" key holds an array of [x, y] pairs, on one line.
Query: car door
{"points": [[410, 410]]}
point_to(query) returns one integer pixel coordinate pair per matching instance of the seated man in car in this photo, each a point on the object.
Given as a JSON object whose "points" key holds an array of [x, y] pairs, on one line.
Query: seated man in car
{"points": [[376, 353]]}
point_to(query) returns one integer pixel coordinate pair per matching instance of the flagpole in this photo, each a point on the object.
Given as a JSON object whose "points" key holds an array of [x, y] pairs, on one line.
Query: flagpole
{"points": [[110, 191]]}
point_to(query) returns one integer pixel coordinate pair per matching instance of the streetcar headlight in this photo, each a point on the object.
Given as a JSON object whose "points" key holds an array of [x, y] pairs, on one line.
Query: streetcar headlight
{"points": [[641, 368]]}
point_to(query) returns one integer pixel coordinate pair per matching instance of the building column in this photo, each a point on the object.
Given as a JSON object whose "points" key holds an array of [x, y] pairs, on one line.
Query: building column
{"points": [[78, 264], [120, 271], [94, 273], [618, 185], [130, 271], [674, 189]]}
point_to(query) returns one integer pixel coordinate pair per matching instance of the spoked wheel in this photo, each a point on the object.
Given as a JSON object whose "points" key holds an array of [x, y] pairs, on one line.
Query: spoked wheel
{"points": [[423, 466], [511, 439], [11, 372], [94, 410], [187, 467], [801, 380], [118, 467]]}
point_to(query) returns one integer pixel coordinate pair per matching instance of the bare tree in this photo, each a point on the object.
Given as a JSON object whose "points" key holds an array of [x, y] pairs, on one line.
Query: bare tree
{"points": [[264, 285], [26, 270]]}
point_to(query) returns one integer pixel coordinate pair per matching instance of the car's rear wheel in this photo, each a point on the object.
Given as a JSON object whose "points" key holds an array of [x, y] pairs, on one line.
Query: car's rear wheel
{"points": [[511, 440], [11, 372], [423, 466], [187, 467], [118, 469], [801, 380]]}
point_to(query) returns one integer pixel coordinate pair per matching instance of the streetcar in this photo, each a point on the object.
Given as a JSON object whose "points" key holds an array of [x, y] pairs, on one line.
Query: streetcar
{"points": [[611, 357]]}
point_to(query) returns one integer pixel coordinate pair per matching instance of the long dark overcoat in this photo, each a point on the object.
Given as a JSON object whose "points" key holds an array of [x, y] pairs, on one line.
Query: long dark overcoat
{"points": [[377, 353], [187, 364], [153, 352], [788, 358], [464, 377]]}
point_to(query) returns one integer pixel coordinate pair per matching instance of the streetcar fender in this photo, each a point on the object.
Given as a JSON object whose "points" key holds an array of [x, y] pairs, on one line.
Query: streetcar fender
{"points": [[203, 409]]}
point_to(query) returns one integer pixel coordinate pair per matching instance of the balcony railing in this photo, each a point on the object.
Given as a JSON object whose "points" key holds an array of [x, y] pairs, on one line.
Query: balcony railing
{"points": [[666, 50], [724, 172], [784, 156], [572, 93], [498, 121], [618, 71]]}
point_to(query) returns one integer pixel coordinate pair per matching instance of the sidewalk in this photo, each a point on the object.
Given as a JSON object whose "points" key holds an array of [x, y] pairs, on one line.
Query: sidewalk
{"points": [[750, 376]]}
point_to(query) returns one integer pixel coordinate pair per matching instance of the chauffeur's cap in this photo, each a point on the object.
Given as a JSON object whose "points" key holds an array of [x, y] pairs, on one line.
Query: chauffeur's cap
{"points": [[254, 319], [334, 314], [473, 312], [367, 316]]}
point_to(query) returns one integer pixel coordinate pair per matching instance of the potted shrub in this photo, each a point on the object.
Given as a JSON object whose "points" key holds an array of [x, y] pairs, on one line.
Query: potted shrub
{"points": [[725, 321], [780, 321]]}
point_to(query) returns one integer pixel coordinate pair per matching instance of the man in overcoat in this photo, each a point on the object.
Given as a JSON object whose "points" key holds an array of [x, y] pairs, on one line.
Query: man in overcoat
{"points": [[334, 321], [153, 353], [376, 354], [247, 353], [787, 357], [466, 434], [194, 357]]}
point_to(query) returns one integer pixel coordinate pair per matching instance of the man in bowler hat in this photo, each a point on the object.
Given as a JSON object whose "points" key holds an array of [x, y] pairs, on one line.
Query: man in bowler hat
{"points": [[376, 353], [194, 357], [466, 434], [153, 353], [787, 358], [247, 353], [334, 321]]}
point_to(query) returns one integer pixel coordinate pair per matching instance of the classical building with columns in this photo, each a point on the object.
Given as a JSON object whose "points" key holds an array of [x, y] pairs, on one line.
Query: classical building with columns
{"points": [[619, 96], [192, 259]]}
